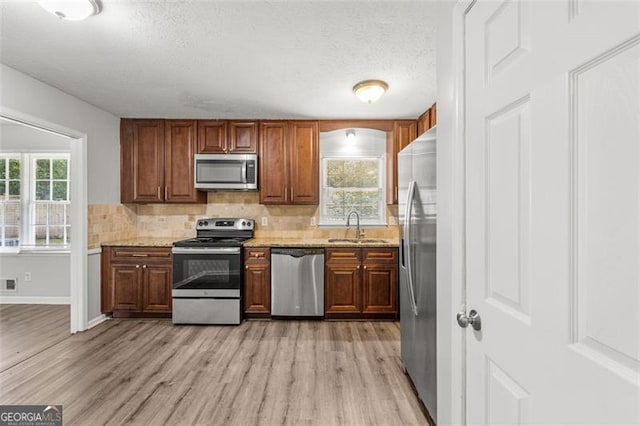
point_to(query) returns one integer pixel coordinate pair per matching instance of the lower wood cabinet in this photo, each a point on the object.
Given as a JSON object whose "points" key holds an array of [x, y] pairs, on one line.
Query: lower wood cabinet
{"points": [[361, 283], [257, 282], [136, 281]]}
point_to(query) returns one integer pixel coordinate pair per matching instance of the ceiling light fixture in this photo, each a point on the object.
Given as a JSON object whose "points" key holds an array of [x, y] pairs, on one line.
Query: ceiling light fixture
{"points": [[71, 10], [351, 135], [370, 91]]}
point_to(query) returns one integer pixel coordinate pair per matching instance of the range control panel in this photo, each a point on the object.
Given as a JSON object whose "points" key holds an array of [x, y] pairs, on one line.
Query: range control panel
{"points": [[225, 223]]}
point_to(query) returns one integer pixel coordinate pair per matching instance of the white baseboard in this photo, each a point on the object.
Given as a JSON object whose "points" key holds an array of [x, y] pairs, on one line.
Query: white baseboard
{"points": [[97, 320], [34, 300]]}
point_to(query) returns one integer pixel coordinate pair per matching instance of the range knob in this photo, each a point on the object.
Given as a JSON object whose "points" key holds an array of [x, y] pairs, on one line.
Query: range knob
{"points": [[244, 223], [206, 223], [200, 223]]}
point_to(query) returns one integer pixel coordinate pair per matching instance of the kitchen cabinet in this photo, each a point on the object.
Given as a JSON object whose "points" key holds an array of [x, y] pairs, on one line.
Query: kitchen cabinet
{"points": [[157, 161], [136, 281], [289, 162], [404, 132], [227, 137], [361, 283], [257, 282], [427, 120]]}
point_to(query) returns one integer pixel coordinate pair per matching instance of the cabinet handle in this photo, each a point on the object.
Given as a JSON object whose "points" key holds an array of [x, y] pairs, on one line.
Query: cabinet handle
{"points": [[396, 194], [165, 193], [137, 266], [286, 193], [292, 193], [158, 193], [256, 254], [365, 267], [140, 255], [358, 267], [145, 266], [246, 267]]}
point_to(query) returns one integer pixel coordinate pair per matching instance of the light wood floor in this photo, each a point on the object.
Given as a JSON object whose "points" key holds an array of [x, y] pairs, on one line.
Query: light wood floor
{"points": [[26, 330], [259, 373]]}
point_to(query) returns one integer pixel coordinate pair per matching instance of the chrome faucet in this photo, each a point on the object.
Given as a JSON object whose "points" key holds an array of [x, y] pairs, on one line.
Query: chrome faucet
{"points": [[358, 232]]}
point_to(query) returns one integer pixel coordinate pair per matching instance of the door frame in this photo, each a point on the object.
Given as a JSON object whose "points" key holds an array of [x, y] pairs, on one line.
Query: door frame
{"points": [[452, 294], [78, 299]]}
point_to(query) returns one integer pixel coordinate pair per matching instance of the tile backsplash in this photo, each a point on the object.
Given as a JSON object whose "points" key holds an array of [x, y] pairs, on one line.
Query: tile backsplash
{"points": [[179, 220]]}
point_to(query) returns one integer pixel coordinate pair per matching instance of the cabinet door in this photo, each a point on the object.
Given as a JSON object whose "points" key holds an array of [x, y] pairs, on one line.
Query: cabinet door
{"points": [[180, 147], [433, 116], [304, 162], [126, 287], [342, 289], [380, 288], [257, 290], [156, 288], [142, 161], [404, 132], [273, 168], [243, 137], [212, 137], [380, 282]]}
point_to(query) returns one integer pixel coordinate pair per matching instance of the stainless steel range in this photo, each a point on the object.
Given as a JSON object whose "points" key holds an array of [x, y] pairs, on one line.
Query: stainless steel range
{"points": [[207, 272]]}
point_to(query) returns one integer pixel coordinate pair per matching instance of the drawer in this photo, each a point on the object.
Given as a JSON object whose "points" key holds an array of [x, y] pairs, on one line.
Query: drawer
{"points": [[333, 255], [256, 254], [136, 253], [376, 255]]}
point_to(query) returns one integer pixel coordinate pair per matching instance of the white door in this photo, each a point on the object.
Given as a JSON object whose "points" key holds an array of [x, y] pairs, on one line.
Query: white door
{"points": [[552, 135]]}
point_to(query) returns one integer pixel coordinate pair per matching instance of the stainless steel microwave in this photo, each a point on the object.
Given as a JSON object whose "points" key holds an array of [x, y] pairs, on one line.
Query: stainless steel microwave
{"points": [[226, 171]]}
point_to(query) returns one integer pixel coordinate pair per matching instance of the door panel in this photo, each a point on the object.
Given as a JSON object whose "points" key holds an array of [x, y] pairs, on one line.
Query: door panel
{"points": [[273, 166], [126, 287], [180, 148], [243, 137], [342, 292], [553, 209], [148, 160], [304, 160], [156, 288], [212, 137]]}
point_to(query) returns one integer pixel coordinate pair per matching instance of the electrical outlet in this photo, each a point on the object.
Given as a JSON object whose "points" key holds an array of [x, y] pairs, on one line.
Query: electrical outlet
{"points": [[312, 222], [27, 276], [264, 221], [8, 284]]}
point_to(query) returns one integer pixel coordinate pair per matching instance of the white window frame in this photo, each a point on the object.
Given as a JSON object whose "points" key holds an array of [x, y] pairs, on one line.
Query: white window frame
{"points": [[5, 199], [382, 179], [27, 232]]}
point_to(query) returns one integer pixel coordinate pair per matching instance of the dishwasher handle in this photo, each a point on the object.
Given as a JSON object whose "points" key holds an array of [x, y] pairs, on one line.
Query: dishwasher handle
{"points": [[297, 252]]}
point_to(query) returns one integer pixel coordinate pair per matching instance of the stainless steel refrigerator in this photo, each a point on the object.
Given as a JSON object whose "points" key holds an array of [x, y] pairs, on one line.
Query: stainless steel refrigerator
{"points": [[417, 208]]}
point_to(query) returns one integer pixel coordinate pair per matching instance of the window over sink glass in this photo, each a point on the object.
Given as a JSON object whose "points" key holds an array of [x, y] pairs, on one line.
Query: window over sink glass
{"points": [[353, 176]]}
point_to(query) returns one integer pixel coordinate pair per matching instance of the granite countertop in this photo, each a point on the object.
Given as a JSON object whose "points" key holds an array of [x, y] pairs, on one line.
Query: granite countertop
{"points": [[144, 242], [320, 242]]}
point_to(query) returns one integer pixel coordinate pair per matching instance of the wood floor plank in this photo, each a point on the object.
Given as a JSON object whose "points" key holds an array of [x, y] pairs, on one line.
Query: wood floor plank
{"points": [[28, 329], [135, 371]]}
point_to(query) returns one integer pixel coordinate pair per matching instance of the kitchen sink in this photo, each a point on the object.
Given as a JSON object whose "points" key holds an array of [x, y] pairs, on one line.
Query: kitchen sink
{"points": [[356, 241]]}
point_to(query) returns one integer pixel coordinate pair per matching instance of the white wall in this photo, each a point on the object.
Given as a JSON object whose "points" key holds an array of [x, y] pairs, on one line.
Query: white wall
{"points": [[28, 96], [16, 137], [450, 359]]}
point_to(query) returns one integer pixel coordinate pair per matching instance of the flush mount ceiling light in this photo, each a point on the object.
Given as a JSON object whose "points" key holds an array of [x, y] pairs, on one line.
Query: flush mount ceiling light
{"points": [[351, 135], [71, 10], [370, 91]]}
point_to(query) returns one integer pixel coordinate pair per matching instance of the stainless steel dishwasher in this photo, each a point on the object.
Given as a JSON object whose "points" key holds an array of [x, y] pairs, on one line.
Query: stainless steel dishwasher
{"points": [[297, 282]]}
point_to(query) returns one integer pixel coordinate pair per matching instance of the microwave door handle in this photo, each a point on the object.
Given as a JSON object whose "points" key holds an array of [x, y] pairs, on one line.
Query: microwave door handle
{"points": [[244, 172]]}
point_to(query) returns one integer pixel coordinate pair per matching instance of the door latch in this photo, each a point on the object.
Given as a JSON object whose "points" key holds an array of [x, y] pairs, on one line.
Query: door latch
{"points": [[472, 319]]}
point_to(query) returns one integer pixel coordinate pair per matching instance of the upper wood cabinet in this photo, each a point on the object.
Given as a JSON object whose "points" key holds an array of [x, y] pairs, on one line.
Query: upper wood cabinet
{"points": [[157, 161], [289, 162], [141, 161], [227, 137], [404, 132], [427, 120]]}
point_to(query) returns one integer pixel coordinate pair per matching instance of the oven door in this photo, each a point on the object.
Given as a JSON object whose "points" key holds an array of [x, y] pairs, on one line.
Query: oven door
{"points": [[206, 272]]}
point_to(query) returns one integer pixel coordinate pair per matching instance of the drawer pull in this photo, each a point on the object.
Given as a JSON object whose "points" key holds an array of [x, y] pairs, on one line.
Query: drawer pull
{"points": [[140, 255]]}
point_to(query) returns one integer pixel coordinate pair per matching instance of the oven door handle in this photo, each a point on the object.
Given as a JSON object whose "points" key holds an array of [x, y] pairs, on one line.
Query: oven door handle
{"points": [[208, 250]]}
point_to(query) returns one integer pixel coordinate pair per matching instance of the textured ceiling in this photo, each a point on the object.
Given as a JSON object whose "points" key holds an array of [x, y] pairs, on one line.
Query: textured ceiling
{"points": [[231, 59]]}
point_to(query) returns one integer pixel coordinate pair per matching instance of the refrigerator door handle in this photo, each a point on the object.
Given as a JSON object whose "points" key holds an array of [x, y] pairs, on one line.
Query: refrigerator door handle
{"points": [[407, 247]]}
